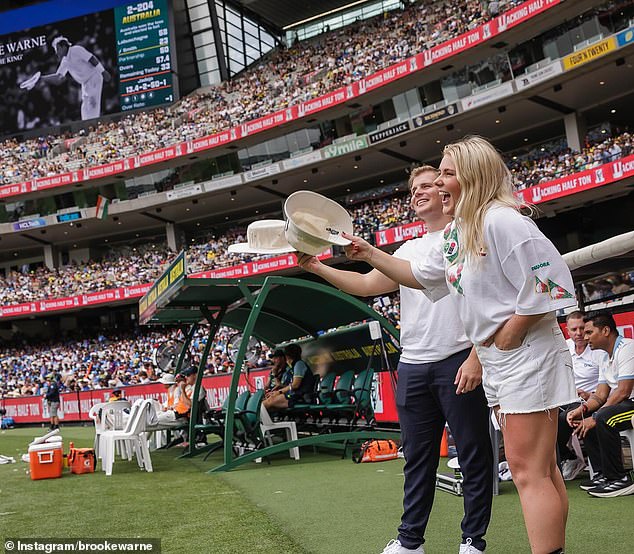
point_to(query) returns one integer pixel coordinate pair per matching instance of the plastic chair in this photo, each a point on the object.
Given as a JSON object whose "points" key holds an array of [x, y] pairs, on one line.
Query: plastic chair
{"points": [[133, 435], [108, 416], [267, 425], [629, 435]]}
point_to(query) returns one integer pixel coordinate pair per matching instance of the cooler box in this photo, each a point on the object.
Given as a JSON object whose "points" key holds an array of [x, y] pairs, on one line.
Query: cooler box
{"points": [[81, 460], [46, 460]]}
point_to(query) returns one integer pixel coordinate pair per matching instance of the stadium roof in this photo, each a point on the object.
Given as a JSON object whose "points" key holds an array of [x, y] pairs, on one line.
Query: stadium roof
{"points": [[8, 5], [282, 13]]}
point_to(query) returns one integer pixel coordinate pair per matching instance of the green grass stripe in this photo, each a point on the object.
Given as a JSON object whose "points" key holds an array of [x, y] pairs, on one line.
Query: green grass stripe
{"points": [[319, 505]]}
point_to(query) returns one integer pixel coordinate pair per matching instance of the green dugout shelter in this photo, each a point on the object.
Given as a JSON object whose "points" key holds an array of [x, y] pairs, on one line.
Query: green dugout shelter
{"points": [[273, 309]]}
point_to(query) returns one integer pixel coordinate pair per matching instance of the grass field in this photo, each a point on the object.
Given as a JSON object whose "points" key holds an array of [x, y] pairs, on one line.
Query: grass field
{"points": [[321, 504]]}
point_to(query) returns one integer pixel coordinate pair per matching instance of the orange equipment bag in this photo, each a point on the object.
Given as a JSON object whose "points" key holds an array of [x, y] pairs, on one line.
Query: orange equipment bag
{"points": [[377, 450], [81, 460]]}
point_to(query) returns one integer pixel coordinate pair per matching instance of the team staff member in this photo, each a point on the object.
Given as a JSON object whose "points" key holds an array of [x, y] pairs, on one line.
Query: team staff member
{"points": [[301, 387], [84, 68], [507, 280], [436, 356], [611, 408], [585, 366], [280, 375], [52, 398]]}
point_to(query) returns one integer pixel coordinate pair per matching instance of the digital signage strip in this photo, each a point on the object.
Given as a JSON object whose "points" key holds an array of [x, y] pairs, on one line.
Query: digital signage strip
{"points": [[86, 67]]}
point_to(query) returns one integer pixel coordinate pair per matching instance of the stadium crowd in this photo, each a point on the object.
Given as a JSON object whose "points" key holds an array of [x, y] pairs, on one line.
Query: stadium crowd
{"points": [[99, 361], [287, 76], [130, 266], [103, 361]]}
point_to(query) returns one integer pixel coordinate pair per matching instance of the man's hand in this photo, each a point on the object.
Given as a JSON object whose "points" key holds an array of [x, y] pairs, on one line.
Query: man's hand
{"points": [[307, 262], [574, 416], [583, 394], [469, 374], [581, 430], [358, 249]]}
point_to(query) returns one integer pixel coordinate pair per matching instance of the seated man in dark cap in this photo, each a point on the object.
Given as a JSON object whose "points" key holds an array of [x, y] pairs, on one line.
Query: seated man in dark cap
{"points": [[280, 375]]}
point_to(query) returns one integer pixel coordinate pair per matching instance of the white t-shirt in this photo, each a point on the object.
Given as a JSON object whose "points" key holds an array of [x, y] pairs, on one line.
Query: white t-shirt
{"points": [[76, 63], [430, 331], [620, 366], [521, 273], [586, 366]]}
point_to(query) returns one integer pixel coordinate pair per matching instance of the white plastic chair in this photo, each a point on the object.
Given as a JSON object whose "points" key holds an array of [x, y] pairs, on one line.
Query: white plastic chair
{"points": [[267, 425], [629, 435], [108, 416], [133, 435]]}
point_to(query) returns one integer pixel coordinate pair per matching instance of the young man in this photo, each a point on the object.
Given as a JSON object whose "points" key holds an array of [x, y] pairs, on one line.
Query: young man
{"points": [[280, 375], [585, 365], [84, 68], [607, 411], [439, 380]]}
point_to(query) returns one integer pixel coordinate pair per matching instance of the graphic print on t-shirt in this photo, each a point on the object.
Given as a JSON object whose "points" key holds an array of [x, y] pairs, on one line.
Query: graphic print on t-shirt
{"points": [[451, 250], [540, 286], [556, 291]]}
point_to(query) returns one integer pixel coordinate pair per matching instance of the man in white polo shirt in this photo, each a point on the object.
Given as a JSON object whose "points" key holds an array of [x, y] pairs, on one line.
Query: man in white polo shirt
{"points": [[585, 365], [611, 408]]}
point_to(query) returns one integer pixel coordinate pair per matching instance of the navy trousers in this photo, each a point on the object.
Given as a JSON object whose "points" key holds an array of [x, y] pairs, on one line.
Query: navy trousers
{"points": [[426, 398]]}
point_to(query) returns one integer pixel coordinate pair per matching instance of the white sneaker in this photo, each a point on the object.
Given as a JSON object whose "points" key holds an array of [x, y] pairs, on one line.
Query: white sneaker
{"points": [[468, 548], [571, 468], [395, 547]]}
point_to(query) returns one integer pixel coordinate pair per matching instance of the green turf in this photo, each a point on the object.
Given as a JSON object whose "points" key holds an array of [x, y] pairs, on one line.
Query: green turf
{"points": [[321, 504]]}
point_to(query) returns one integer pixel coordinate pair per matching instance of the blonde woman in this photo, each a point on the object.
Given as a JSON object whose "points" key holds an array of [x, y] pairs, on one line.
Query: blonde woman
{"points": [[507, 281]]}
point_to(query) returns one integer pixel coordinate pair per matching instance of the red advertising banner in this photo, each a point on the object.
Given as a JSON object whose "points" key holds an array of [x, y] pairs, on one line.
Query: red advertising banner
{"points": [[438, 53], [255, 268], [125, 293], [15, 189], [74, 406], [399, 234], [578, 182], [390, 74], [79, 301]]}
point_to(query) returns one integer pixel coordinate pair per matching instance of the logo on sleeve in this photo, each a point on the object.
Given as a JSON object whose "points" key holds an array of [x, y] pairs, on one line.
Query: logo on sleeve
{"points": [[454, 275], [540, 265], [540, 286], [557, 292]]}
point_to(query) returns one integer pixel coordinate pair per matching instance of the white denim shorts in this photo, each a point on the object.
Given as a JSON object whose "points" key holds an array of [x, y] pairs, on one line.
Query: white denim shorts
{"points": [[534, 377]]}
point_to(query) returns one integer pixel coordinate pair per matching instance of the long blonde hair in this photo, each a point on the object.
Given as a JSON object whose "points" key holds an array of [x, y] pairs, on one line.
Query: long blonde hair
{"points": [[483, 179]]}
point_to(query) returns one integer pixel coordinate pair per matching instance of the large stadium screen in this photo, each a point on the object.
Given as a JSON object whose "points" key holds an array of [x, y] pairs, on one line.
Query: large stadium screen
{"points": [[84, 67]]}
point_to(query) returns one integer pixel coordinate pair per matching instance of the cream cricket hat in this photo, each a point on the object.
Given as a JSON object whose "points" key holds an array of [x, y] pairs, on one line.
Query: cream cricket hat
{"points": [[264, 237], [314, 222]]}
